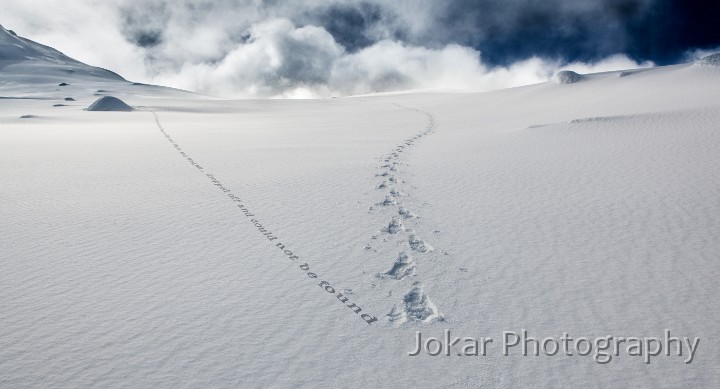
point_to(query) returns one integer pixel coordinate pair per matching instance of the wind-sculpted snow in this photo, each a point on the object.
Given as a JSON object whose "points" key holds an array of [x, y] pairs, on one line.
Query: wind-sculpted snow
{"points": [[596, 119], [589, 210], [271, 237]]}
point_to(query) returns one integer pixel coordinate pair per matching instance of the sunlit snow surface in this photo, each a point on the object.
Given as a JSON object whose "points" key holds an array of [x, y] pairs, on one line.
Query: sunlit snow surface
{"points": [[590, 208]]}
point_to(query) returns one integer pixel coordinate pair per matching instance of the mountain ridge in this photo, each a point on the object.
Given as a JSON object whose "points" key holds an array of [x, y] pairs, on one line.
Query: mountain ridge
{"points": [[24, 57]]}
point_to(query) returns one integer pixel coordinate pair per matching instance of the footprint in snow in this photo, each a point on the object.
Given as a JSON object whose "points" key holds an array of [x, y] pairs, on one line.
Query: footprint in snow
{"points": [[418, 305], [417, 244], [404, 266], [396, 225], [406, 214], [389, 201], [396, 193]]}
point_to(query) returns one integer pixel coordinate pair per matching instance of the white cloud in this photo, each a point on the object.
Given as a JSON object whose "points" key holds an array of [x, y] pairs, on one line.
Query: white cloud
{"points": [[261, 55], [615, 62], [282, 60]]}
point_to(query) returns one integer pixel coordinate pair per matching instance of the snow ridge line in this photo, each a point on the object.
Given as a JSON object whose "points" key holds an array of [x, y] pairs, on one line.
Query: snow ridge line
{"points": [[416, 305], [305, 267]]}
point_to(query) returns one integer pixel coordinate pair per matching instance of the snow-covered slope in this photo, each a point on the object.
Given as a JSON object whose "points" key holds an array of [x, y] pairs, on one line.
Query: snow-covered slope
{"points": [[31, 70], [30, 62], [212, 243]]}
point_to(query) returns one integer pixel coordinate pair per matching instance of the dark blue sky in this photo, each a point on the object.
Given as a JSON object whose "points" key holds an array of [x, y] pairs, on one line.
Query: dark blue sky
{"points": [[507, 31]]}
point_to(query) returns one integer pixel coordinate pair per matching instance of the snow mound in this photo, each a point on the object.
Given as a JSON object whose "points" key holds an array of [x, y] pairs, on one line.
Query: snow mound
{"points": [[566, 77], [109, 103], [710, 61]]}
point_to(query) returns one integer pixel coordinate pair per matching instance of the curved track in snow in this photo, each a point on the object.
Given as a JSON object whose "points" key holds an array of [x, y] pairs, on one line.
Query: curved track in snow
{"points": [[415, 304]]}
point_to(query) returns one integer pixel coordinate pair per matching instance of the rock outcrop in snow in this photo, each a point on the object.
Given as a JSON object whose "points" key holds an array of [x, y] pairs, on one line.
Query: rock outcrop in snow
{"points": [[710, 61], [109, 103], [566, 77]]}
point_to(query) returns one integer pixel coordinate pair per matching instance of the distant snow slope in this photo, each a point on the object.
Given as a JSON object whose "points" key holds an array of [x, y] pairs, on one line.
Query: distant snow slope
{"points": [[139, 252], [31, 62], [31, 70]]}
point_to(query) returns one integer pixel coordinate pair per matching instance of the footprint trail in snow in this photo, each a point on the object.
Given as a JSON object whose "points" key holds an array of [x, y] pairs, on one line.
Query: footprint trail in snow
{"points": [[415, 306]]}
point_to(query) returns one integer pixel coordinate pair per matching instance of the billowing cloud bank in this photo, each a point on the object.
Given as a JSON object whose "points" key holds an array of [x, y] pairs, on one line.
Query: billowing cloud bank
{"points": [[282, 48], [280, 59]]}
